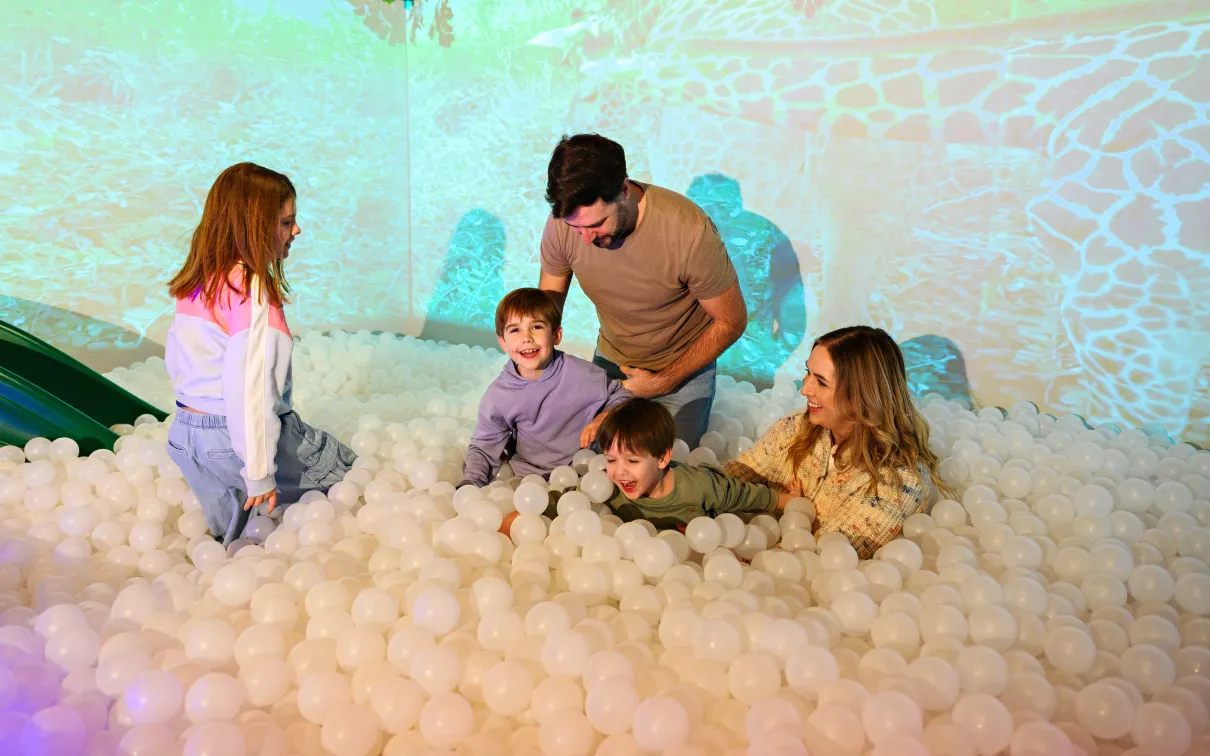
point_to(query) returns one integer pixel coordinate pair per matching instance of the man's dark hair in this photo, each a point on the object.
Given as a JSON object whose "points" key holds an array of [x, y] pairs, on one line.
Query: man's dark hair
{"points": [[583, 169], [638, 426]]}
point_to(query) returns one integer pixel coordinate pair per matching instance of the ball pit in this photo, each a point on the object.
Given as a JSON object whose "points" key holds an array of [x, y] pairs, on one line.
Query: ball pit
{"points": [[1060, 605]]}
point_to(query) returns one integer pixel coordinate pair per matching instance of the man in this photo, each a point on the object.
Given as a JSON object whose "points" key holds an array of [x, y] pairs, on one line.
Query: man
{"points": [[653, 264]]}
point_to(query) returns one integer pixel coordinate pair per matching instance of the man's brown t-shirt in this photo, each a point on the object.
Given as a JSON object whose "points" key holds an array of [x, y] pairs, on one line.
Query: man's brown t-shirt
{"points": [[647, 291]]}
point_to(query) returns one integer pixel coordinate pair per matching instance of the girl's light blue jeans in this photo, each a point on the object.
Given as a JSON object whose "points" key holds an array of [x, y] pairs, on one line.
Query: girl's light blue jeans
{"points": [[307, 460]]}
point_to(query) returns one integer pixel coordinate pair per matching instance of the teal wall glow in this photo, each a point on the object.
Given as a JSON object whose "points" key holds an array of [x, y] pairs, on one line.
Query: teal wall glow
{"points": [[1018, 189]]}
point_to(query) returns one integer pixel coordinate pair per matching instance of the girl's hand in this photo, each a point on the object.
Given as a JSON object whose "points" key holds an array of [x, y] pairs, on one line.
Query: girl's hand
{"points": [[256, 501]]}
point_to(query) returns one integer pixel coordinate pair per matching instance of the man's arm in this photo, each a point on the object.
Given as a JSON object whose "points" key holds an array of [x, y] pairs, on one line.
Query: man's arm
{"points": [[730, 318], [556, 286]]}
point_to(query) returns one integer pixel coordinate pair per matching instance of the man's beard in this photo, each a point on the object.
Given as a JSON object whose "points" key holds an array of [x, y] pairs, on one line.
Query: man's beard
{"points": [[625, 228]]}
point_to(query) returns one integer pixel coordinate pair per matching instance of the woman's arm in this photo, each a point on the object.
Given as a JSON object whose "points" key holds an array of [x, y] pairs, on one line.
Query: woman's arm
{"points": [[767, 462]]}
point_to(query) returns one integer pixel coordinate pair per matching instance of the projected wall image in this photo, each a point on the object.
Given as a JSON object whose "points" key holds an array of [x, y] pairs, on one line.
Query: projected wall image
{"points": [[1026, 181], [1019, 191], [119, 116]]}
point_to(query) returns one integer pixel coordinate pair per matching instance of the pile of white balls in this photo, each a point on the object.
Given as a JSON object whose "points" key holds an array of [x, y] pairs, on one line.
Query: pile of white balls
{"points": [[1062, 606]]}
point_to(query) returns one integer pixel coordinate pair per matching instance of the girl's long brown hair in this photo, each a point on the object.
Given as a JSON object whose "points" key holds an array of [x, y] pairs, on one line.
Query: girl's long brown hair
{"points": [[871, 391], [238, 227]]}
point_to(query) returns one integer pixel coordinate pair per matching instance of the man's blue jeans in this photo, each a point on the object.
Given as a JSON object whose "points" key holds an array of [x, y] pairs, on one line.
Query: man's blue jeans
{"points": [[689, 404]]}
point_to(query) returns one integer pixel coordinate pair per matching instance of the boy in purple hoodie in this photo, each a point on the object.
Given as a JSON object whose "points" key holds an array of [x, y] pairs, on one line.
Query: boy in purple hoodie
{"points": [[547, 402]]}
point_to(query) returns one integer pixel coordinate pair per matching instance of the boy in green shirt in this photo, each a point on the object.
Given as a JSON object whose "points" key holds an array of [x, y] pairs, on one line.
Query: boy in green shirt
{"points": [[637, 438]]}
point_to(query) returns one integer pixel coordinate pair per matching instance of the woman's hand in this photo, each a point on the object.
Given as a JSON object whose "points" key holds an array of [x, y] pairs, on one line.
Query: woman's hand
{"points": [[256, 501], [793, 491]]}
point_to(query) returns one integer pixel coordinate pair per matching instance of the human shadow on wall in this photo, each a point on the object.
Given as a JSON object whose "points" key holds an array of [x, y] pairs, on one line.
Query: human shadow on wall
{"points": [[935, 365], [769, 277], [100, 345], [462, 309]]}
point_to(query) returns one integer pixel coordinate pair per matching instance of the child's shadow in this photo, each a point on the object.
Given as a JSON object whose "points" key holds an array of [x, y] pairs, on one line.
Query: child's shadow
{"points": [[769, 276], [935, 365], [462, 309]]}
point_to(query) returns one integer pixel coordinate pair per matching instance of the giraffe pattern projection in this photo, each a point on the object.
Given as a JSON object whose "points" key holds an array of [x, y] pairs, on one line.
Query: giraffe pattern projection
{"points": [[1116, 109]]}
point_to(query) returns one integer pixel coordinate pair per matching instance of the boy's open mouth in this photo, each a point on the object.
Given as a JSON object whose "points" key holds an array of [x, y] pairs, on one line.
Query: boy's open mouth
{"points": [[528, 354]]}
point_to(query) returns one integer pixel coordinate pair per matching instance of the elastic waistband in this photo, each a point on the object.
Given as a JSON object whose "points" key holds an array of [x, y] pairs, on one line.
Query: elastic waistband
{"points": [[204, 420], [199, 419]]}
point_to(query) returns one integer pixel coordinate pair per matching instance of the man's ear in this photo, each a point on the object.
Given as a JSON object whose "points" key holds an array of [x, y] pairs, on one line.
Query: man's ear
{"points": [[665, 459]]}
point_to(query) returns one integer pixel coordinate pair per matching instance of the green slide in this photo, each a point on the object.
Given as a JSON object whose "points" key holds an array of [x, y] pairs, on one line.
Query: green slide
{"points": [[44, 392], [27, 411]]}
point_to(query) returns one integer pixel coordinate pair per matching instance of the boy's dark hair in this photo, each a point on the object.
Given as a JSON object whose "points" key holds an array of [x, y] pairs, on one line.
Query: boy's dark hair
{"points": [[535, 303], [638, 426], [583, 169]]}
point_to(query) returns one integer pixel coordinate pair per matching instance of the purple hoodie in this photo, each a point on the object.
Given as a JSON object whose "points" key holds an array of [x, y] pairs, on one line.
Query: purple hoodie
{"points": [[545, 417]]}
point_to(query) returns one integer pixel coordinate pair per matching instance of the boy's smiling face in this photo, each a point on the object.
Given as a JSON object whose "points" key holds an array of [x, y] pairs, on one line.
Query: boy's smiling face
{"points": [[530, 343], [637, 474]]}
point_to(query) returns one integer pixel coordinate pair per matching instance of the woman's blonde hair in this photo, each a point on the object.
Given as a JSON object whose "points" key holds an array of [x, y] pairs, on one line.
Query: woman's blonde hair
{"points": [[870, 390], [238, 227]]}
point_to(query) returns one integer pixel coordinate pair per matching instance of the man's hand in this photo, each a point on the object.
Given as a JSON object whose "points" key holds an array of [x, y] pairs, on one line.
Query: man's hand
{"points": [[644, 383], [589, 434], [256, 501]]}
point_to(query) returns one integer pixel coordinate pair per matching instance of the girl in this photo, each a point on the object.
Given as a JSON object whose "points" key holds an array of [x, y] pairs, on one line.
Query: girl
{"points": [[235, 437], [860, 450]]}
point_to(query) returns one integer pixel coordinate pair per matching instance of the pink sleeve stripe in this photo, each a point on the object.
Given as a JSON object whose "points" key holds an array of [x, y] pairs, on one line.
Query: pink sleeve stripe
{"points": [[238, 315], [195, 307], [232, 312]]}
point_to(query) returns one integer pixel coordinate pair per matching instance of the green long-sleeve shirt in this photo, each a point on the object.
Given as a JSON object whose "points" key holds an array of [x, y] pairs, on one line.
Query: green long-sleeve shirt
{"points": [[696, 491]]}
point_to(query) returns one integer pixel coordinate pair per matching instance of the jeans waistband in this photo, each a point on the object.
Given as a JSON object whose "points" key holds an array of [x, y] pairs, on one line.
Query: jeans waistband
{"points": [[207, 420], [199, 419]]}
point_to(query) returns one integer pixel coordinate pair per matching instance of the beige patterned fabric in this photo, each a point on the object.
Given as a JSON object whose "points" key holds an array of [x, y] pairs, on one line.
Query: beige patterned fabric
{"points": [[843, 500]]}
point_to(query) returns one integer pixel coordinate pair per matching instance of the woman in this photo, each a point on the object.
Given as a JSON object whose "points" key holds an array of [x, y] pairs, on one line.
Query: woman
{"points": [[860, 449]]}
